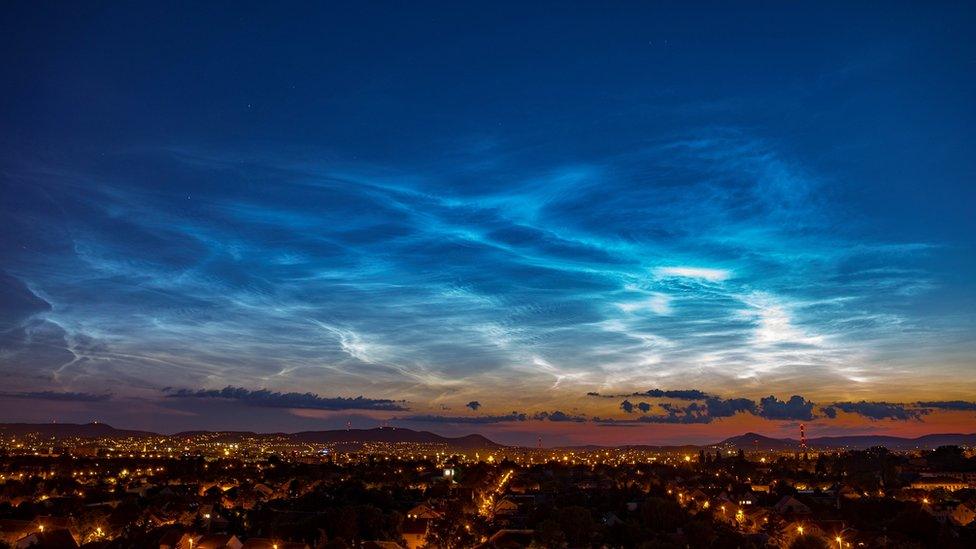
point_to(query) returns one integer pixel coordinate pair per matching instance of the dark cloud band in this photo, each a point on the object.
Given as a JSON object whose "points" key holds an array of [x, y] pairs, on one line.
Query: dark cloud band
{"points": [[271, 399]]}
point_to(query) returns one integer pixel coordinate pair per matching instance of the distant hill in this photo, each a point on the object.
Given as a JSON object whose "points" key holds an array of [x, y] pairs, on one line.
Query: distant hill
{"points": [[66, 430], [751, 441], [380, 434], [748, 441]]}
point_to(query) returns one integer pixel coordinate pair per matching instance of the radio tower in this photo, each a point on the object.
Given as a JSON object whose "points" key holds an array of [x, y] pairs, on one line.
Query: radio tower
{"points": [[540, 442], [803, 438]]}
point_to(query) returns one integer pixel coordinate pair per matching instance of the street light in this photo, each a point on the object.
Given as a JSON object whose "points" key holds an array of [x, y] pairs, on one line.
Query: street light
{"points": [[839, 538], [799, 529]]}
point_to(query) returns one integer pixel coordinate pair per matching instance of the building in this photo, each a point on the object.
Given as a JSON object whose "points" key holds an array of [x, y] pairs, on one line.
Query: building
{"points": [[963, 514], [947, 483], [265, 543], [414, 532], [792, 506], [218, 541]]}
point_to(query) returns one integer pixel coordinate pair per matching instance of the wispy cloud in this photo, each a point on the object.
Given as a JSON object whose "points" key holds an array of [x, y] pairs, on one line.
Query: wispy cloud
{"points": [[706, 260], [704, 273]]}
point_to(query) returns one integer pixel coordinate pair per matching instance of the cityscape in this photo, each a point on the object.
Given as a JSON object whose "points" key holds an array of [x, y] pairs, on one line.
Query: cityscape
{"points": [[494, 275], [94, 486]]}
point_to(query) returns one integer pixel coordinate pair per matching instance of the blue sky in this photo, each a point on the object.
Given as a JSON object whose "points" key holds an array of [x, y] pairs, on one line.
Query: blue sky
{"points": [[436, 204]]}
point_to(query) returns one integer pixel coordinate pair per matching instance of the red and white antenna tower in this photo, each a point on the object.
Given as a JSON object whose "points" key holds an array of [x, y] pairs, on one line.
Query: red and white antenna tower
{"points": [[803, 438]]}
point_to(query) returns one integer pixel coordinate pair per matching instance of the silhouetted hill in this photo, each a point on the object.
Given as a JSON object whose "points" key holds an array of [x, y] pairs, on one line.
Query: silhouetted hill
{"points": [[751, 441], [380, 434], [747, 441], [66, 430]]}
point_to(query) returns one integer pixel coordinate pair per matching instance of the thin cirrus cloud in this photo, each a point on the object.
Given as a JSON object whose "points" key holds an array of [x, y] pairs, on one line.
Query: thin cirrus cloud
{"points": [[703, 273]]}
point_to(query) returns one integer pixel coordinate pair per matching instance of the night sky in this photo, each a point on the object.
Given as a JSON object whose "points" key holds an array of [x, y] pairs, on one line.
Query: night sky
{"points": [[625, 223]]}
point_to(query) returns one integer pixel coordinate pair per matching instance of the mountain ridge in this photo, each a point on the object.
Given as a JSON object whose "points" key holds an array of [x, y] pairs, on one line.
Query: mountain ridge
{"points": [[745, 441], [378, 434]]}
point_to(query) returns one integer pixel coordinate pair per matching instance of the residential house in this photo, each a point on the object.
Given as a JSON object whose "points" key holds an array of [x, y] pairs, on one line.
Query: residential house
{"points": [[789, 505], [218, 541], [266, 543]]}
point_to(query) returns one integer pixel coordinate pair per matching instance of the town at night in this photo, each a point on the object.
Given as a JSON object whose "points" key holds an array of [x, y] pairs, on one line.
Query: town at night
{"points": [[95, 486]]}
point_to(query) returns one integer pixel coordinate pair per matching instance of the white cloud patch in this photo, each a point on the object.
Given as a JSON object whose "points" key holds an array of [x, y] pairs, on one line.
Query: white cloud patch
{"points": [[354, 345], [774, 323], [658, 303]]}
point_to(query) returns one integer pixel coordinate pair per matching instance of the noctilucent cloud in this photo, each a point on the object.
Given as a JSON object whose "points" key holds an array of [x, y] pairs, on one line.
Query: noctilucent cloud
{"points": [[512, 219]]}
